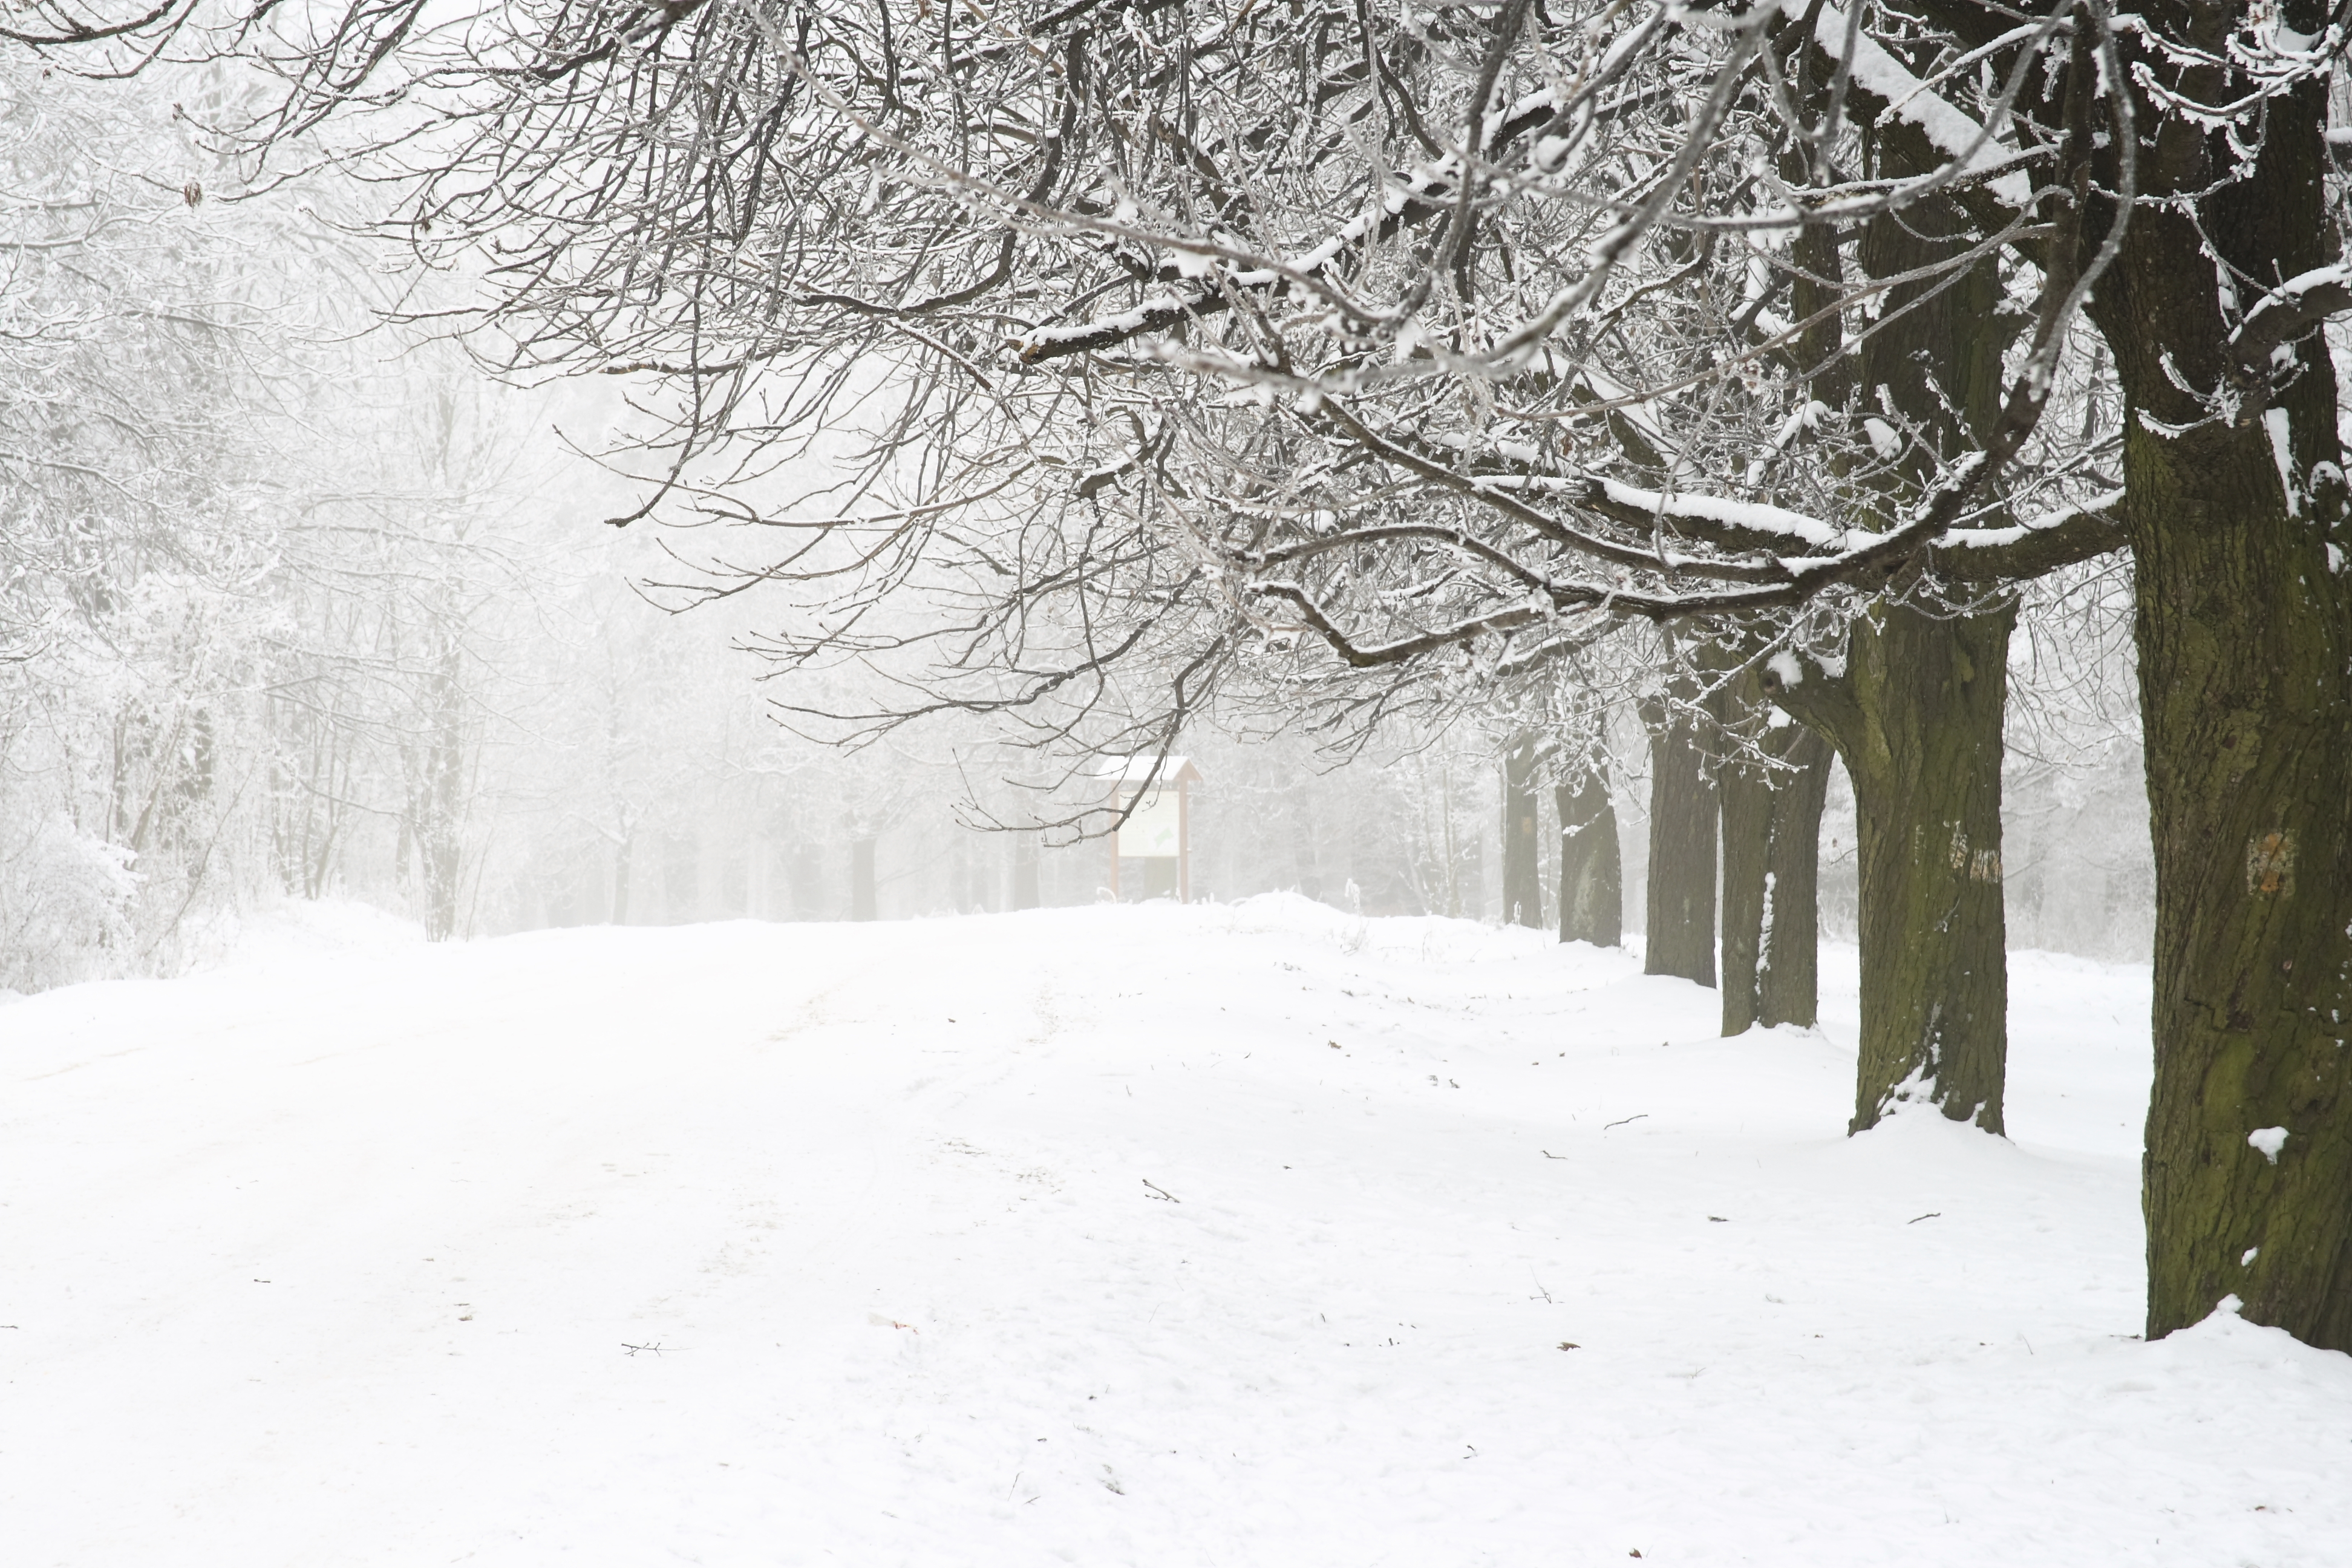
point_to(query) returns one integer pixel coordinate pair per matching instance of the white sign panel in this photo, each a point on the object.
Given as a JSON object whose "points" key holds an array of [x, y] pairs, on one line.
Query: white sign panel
{"points": [[1151, 831]]}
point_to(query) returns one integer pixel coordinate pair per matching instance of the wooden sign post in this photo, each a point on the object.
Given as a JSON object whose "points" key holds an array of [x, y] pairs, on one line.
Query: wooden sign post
{"points": [[1159, 829]]}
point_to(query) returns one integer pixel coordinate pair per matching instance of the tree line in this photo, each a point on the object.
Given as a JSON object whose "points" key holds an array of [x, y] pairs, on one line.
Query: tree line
{"points": [[1373, 364]]}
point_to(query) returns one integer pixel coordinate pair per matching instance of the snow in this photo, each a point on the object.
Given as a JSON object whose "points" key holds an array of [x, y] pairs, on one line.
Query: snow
{"points": [[2268, 1141], [1994, 538], [1133, 320], [1124, 1235], [1945, 126], [2276, 425], [1753, 516]]}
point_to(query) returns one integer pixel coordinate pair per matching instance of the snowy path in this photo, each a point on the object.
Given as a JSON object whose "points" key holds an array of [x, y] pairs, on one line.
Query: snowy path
{"points": [[331, 1259]]}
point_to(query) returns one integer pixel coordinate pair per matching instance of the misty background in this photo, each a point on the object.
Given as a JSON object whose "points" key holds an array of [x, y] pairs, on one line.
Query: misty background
{"points": [[297, 603]]}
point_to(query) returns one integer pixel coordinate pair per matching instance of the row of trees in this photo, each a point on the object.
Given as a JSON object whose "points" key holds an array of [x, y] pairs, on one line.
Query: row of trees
{"points": [[1368, 364]]}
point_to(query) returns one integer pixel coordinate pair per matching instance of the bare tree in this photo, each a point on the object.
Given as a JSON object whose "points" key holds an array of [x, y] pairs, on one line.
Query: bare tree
{"points": [[1277, 343]]}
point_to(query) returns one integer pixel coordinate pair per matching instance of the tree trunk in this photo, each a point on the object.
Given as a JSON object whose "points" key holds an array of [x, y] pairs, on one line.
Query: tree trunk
{"points": [[1744, 788], [1917, 713], [2240, 540], [1522, 843], [861, 879], [1771, 865], [2244, 644], [1680, 939], [1918, 717], [1788, 965], [1024, 871], [1591, 878]]}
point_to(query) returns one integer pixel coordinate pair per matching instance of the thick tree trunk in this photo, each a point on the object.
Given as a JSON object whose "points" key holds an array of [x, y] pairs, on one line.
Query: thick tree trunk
{"points": [[1522, 843], [1591, 875], [861, 879], [1917, 717], [1771, 844], [1680, 938], [2244, 629], [1917, 713], [2244, 643], [1788, 965]]}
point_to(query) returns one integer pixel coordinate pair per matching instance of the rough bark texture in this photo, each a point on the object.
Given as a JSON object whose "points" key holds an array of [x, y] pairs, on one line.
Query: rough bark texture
{"points": [[1591, 875], [1771, 864], [1788, 977], [1680, 940], [1522, 843], [1918, 717], [2245, 636], [1917, 712]]}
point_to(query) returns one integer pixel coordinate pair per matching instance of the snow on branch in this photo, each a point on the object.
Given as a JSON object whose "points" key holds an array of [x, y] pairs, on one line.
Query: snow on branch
{"points": [[2285, 314], [1973, 146]]}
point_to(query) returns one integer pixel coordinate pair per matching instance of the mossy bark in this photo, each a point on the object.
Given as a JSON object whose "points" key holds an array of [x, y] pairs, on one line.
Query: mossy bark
{"points": [[1680, 936], [1591, 875], [1917, 712], [1522, 843], [2243, 649], [2244, 633], [1916, 715]]}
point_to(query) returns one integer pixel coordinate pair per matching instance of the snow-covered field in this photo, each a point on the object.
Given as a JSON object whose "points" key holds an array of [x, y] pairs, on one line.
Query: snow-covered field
{"points": [[1239, 1236]]}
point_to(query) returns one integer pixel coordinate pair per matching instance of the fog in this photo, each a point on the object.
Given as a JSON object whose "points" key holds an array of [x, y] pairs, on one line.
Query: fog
{"points": [[302, 603], [853, 781]]}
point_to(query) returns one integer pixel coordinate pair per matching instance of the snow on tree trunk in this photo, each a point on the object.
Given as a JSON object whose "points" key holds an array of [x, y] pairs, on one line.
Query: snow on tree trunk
{"points": [[1771, 837]]}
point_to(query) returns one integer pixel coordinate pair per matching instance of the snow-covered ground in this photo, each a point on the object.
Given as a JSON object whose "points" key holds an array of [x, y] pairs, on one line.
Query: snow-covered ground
{"points": [[1250, 1236]]}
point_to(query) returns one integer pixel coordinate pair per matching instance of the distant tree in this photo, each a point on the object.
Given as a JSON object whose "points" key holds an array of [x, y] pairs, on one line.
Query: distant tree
{"points": [[1280, 340]]}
